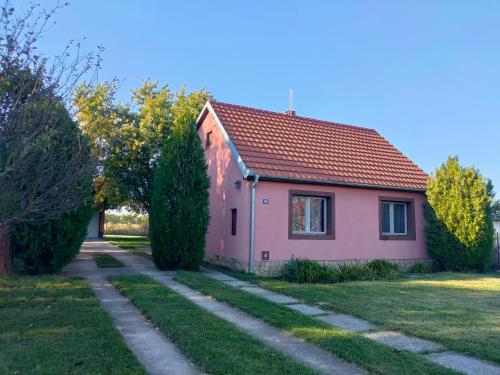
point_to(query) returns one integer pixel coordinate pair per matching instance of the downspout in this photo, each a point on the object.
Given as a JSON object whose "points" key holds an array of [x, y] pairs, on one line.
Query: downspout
{"points": [[252, 223]]}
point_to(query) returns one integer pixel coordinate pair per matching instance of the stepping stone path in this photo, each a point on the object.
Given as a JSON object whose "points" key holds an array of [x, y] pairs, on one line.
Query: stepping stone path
{"points": [[347, 322], [399, 341], [463, 363], [306, 309], [456, 361], [155, 352], [316, 358]]}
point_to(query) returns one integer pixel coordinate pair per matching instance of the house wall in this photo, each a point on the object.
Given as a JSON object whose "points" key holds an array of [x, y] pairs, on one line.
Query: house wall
{"points": [[221, 246], [357, 237], [356, 219], [93, 227]]}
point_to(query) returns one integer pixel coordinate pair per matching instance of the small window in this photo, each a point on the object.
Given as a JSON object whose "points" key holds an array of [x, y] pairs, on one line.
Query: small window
{"points": [[309, 215], [234, 216], [394, 218], [208, 141]]}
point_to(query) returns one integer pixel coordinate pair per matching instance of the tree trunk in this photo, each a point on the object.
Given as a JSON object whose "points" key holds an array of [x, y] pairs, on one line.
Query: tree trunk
{"points": [[5, 256]]}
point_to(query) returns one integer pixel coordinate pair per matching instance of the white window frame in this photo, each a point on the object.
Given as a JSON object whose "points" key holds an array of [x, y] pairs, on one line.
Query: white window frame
{"points": [[307, 214], [391, 218]]}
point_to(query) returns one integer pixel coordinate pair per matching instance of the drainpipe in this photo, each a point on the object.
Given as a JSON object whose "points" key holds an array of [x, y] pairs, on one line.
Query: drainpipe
{"points": [[252, 224]]}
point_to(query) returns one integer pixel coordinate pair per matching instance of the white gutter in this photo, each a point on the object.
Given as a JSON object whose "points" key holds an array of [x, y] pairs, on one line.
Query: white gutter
{"points": [[252, 224]]}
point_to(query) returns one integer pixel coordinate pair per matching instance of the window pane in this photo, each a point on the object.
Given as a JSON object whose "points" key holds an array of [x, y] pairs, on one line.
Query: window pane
{"points": [[317, 215], [298, 214], [399, 218], [386, 218]]}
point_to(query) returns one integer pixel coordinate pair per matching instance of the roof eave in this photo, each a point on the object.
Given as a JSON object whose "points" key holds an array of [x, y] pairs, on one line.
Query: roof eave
{"points": [[264, 177], [237, 157]]}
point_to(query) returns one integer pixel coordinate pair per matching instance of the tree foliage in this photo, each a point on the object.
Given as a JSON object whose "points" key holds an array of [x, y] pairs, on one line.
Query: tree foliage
{"points": [[179, 209], [128, 138], [47, 247], [43, 157], [459, 227]]}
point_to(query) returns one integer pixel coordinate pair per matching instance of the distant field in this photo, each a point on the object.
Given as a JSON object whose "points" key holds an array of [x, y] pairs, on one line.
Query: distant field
{"points": [[126, 229]]}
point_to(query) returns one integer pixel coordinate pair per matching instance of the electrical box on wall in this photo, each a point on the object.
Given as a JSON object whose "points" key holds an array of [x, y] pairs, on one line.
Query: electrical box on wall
{"points": [[265, 255], [265, 201]]}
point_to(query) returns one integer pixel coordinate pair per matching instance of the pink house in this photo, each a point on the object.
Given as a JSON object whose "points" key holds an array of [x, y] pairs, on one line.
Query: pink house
{"points": [[286, 186]]}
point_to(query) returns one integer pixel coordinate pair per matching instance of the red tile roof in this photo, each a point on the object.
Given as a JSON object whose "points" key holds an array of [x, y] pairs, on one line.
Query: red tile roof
{"points": [[278, 145]]}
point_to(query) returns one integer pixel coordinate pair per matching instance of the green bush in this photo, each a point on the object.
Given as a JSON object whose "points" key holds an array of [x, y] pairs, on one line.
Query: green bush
{"points": [[419, 267], [290, 271], [383, 269], [179, 207], [309, 271], [48, 247], [459, 230]]}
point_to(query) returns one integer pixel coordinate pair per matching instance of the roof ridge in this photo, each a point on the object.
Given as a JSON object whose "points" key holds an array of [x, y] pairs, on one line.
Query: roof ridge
{"points": [[294, 116]]}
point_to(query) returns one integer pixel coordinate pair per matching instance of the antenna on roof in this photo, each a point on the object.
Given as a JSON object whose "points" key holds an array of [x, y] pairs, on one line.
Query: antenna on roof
{"points": [[291, 112]]}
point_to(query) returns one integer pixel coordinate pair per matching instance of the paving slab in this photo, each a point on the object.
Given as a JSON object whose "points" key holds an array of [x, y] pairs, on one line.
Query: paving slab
{"points": [[318, 359], [270, 296], [153, 350], [347, 322], [307, 310], [467, 365], [399, 341], [217, 275], [280, 298], [236, 283], [312, 356]]}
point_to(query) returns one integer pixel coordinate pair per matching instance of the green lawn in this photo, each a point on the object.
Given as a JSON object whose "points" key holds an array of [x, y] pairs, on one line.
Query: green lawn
{"points": [[127, 242], [353, 347], [461, 311], [106, 260], [54, 325], [213, 344]]}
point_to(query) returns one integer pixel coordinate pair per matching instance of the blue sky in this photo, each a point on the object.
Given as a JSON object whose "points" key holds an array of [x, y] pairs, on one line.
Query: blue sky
{"points": [[425, 74]]}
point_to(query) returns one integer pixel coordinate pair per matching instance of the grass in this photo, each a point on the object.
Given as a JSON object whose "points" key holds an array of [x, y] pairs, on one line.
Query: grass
{"points": [[460, 311], [106, 260], [213, 344], [128, 242], [353, 347], [126, 229], [54, 325]]}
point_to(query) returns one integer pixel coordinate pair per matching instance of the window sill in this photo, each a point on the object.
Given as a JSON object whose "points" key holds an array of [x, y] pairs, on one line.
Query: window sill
{"points": [[310, 236], [397, 237]]}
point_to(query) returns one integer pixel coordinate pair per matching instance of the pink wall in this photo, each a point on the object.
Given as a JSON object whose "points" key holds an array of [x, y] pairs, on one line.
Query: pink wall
{"points": [[356, 226], [223, 172]]}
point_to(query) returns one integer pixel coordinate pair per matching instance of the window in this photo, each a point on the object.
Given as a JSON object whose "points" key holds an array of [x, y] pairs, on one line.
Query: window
{"points": [[311, 215], [234, 215], [208, 141], [394, 218], [397, 218]]}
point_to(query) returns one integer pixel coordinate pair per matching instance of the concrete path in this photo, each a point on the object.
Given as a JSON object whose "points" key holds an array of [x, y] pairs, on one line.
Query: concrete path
{"points": [[431, 351], [155, 352], [312, 356]]}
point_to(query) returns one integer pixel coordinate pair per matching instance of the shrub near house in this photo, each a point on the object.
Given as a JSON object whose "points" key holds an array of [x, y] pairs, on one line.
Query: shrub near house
{"points": [[459, 227], [179, 209]]}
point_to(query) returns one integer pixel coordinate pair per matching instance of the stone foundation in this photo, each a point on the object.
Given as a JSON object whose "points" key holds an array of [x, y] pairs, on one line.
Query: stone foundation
{"points": [[273, 268]]}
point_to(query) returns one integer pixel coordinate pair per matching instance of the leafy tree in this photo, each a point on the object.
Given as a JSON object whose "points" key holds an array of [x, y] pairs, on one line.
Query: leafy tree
{"points": [[49, 246], [44, 159], [179, 208], [459, 228], [128, 138]]}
